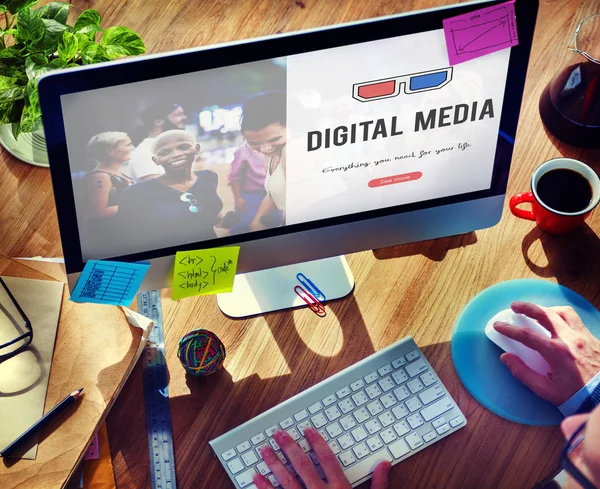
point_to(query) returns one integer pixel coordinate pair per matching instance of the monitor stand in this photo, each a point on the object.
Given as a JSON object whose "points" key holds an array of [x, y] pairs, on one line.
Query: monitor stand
{"points": [[273, 289]]}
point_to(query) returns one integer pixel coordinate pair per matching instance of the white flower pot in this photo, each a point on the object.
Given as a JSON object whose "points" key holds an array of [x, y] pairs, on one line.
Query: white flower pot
{"points": [[29, 147]]}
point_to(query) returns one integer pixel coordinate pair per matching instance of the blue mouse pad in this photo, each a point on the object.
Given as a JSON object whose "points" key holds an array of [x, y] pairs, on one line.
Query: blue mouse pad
{"points": [[477, 359]]}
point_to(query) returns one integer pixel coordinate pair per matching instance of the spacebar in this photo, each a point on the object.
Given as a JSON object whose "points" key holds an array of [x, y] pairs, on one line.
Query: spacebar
{"points": [[367, 465]]}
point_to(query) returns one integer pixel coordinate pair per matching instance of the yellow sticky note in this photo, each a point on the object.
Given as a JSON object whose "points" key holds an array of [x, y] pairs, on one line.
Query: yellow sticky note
{"points": [[204, 272]]}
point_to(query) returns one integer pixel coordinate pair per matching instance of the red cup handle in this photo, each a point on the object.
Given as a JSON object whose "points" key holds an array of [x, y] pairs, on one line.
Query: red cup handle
{"points": [[515, 200]]}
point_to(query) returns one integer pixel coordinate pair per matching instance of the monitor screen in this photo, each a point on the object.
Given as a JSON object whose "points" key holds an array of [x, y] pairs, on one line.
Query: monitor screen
{"points": [[296, 147]]}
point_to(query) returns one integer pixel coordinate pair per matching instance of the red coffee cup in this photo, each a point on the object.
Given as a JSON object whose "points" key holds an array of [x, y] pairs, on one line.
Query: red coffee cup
{"points": [[543, 208]]}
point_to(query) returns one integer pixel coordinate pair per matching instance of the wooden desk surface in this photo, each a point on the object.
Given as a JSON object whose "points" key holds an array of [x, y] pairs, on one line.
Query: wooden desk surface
{"points": [[417, 289]]}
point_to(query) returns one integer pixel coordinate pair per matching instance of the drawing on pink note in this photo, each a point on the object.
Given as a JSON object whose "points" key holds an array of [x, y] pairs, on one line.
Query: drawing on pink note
{"points": [[480, 32], [93, 451]]}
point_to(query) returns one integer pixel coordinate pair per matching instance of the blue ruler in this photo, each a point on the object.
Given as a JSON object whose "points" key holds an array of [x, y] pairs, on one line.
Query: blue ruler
{"points": [[156, 396]]}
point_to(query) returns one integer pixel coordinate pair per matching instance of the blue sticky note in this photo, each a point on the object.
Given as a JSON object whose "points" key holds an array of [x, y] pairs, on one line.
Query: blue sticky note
{"points": [[109, 282]]}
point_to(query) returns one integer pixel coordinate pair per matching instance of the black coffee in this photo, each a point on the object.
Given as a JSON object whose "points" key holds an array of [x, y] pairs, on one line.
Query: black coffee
{"points": [[564, 190]]}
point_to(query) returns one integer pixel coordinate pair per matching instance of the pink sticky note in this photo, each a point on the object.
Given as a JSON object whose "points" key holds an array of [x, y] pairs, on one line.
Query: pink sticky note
{"points": [[93, 451], [481, 32]]}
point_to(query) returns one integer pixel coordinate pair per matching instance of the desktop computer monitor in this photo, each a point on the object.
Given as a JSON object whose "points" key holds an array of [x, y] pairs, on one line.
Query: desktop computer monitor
{"points": [[295, 147]]}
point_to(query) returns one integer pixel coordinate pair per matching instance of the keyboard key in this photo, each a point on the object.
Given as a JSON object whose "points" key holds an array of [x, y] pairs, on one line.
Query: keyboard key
{"points": [[235, 466], [361, 415], [415, 421], [319, 420], [366, 466], [335, 448], [345, 441], [374, 443], [324, 435], [304, 445], [400, 376], [400, 411], [386, 369], [274, 481], [282, 458], [372, 377], [401, 428], [301, 415], [427, 437], [249, 459], [360, 398], [259, 449], [343, 392], [428, 378], [347, 422], [286, 423], [399, 362], [386, 419], [399, 449], [388, 436], [412, 355], [347, 458], [431, 394], [355, 386], [415, 386], [438, 422], [361, 450], [259, 438], [228, 455], [437, 408], [333, 413], [454, 422], [346, 406], [386, 384], [443, 429], [245, 478], [242, 447], [413, 404], [293, 432], [402, 393], [373, 426], [373, 391], [302, 426], [359, 434], [416, 368], [334, 430], [329, 400], [271, 431], [414, 440], [274, 445], [315, 408], [375, 408], [388, 400]]}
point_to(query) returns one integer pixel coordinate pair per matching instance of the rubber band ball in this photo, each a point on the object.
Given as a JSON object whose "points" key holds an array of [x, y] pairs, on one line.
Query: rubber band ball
{"points": [[201, 352]]}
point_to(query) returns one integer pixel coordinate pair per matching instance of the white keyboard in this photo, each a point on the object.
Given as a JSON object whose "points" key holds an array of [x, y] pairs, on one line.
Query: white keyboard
{"points": [[388, 406]]}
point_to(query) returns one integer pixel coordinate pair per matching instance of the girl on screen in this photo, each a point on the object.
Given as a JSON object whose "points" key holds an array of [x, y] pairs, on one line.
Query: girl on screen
{"points": [[264, 128], [181, 206]]}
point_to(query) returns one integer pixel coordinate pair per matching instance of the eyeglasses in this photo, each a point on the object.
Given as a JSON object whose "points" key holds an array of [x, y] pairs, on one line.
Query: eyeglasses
{"points": [[12, 312], [575, 38], [413, 83], [189, 198], [566, 462]]}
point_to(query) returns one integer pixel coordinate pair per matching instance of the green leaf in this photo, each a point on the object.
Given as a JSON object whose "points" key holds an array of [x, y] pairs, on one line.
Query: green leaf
{"points": [[17, 73], [67, 47], [122, 41], [16, 128], [87, 17], [36, 66], [30, 26], [52, 36], [15, 6], [31, 117], [9, 91], [11, 111], [93, 53], [90, 31], [58, 11], [11, 55]]}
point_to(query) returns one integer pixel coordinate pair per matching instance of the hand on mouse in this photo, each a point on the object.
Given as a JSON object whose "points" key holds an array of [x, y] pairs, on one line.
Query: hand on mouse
{"points": [[572, 352], [305, 468]]}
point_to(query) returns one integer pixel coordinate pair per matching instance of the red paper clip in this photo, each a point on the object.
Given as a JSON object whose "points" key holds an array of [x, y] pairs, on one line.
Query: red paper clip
{"points": [[315, 305]]}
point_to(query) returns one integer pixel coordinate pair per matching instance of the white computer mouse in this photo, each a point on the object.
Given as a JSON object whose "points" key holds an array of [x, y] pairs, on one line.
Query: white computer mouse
{"points": [[530, 357]]}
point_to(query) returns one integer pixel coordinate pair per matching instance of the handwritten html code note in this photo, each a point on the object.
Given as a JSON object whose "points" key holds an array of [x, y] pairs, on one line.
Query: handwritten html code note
{"points": [[204, 272]]}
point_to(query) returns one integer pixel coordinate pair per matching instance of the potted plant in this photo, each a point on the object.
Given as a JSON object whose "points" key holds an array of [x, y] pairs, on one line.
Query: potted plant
{"points": [[37, 41]]}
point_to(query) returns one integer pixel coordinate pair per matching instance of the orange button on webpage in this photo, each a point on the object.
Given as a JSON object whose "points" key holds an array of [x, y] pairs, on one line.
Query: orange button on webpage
{"points": [[404, 177]]}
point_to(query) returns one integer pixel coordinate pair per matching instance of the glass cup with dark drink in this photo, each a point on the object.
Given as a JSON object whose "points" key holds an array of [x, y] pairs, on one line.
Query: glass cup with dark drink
{"points": [[570, 104], [563, 194]]}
